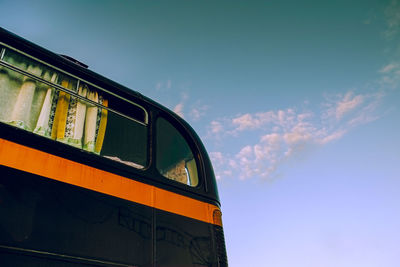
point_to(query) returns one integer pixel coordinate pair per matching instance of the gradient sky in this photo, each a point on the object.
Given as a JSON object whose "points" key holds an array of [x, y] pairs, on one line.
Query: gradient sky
{"points": [[297, 103]]}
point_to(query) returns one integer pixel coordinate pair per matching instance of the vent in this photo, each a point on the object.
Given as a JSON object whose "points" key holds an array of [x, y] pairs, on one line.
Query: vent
{"points": [[77, 62], [220, 246]]}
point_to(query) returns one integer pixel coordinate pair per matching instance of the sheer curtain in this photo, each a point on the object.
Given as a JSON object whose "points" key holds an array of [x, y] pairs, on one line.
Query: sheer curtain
{"points": [[10, 82], [23, 115], [34, 106], [8, 94], [43, 125], [21, 98]]}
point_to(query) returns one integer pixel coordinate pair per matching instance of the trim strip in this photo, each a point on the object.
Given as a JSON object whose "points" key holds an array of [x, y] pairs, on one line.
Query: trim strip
{"points": [[61, 256], [57, 168]]}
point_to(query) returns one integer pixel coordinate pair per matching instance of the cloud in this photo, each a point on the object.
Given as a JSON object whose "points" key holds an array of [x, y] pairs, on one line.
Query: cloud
{"points": [[261, 120], [158, 86], [287, 133], [178, 109], [388, 68], [392, 15], [367, 113], [332, 136], [391, 75], [263, 158], [215, 128], [262, 143], [249, 121], [163, 85], [198, 112], [219, 161], [347, 104]]}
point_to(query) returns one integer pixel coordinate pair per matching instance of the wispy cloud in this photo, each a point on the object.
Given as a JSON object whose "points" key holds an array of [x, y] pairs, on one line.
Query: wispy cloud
{"points": [[187, 109], [198, 111], [392, 15], [389, 67], [220, 161], [163, 85], [253, 121], [178, 109], [286, 134], [391, 75], [216, 127], [348, 104], [341, 105]]}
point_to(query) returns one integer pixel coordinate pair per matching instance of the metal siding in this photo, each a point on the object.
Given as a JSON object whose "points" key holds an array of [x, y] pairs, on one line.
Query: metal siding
{"points": [[50, 216]]}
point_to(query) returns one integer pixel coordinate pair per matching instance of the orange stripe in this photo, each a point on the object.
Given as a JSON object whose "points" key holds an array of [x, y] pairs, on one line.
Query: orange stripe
{"points": [[50, 166]]}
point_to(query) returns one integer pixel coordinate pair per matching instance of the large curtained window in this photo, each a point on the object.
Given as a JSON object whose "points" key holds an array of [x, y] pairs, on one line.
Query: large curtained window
{"points": [[39, 108]]}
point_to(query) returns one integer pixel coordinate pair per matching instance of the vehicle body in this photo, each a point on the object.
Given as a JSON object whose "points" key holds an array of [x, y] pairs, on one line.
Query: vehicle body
{"points": [[95, 174]]}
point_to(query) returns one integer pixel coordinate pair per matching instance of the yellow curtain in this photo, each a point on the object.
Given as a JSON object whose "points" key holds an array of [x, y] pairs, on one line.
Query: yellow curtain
{"points": [[102, 128], [60, 117]]}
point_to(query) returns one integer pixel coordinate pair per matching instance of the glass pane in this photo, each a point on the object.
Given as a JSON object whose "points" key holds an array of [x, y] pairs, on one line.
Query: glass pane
{"points": [[125, 141], [175, 159], [45, 72], [126, 108]]}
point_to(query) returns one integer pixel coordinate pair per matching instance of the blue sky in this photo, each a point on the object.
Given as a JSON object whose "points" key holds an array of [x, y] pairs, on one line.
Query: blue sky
{"points": [[296, 101]]}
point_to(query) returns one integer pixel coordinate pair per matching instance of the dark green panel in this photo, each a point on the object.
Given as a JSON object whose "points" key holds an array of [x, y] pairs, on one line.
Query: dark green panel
{"points": [[48, 216], [181, 241]]}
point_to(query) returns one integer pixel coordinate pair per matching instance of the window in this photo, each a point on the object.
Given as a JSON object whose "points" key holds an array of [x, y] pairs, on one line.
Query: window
{"points": [[174, 157], [80, 115], [125, 141]]}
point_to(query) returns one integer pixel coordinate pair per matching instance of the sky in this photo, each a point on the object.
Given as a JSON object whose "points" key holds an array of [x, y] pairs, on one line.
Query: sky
{"points": [[297, 103]]}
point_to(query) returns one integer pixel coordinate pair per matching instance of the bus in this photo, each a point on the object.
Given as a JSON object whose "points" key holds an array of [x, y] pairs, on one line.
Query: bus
{"points": [[95, 174]]}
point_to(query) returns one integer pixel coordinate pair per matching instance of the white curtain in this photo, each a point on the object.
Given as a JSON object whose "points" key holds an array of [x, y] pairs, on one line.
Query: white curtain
{"points": [[43, 125], [21, 115], [91, 123], [36, 107], [8, 94]]}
